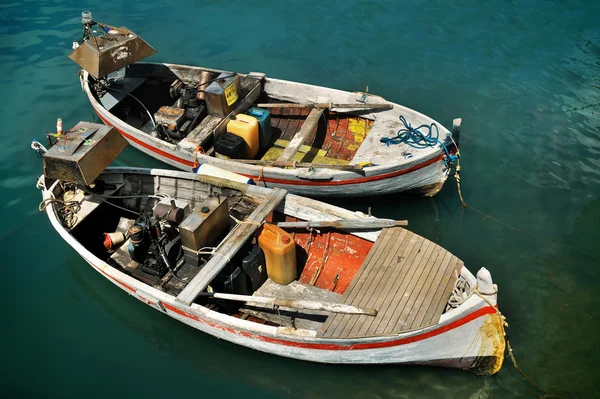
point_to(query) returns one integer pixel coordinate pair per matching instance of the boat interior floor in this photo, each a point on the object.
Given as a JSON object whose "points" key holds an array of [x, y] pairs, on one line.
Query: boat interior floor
{"points": [[405, 277], [335, 140]]}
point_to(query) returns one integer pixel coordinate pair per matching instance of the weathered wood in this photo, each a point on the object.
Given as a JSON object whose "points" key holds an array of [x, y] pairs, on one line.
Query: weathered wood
{"points": [[309, 124], [393, 282], [325, 105], [386, 292], [230, 246], [407, 280], [389, 264], [293, 303], [335, 320], [358, 287], [288, 317], [346, 224], [278, 164], [399, 247]]}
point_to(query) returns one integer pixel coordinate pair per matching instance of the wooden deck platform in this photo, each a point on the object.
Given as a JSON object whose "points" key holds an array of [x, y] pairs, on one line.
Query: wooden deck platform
{"points": [[407, 278]]}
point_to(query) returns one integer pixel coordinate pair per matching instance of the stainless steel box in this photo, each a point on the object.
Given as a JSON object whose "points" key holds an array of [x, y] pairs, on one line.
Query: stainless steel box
{"points": [[222, 94], [205, 225], [83, 152], [102, 55]]}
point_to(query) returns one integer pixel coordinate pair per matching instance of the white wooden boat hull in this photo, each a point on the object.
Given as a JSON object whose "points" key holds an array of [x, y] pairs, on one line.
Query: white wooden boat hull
{"points": [[468, 337], [423, 175]]}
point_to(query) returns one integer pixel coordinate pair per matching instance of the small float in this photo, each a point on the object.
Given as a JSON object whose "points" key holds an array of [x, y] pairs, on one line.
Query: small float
{"points": [[307, 139], [265, 269]]}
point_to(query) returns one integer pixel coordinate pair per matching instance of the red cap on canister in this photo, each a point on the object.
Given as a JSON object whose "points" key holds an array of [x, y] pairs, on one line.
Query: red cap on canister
{"points": [[285, 239], [107, 241]]}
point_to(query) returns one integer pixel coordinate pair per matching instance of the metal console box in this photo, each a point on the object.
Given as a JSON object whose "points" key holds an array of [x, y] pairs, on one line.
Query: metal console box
{"points": [[83, 152]]}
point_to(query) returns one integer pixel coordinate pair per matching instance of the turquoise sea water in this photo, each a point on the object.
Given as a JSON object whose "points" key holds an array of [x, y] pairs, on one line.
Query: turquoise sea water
{"points": [[523, 75]]}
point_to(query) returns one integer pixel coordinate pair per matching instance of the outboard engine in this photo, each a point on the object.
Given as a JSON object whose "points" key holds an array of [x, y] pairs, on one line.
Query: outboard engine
{"points": [[177, 121], [154, 245]]}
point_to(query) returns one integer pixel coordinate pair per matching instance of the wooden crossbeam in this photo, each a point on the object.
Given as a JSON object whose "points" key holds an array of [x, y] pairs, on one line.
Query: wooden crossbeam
{"points": [[311, 122], [230, 246]]}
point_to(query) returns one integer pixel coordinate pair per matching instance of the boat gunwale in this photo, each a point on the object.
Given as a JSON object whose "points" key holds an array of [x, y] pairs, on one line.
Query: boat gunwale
{"points": [[235, 325], [340, 177]]}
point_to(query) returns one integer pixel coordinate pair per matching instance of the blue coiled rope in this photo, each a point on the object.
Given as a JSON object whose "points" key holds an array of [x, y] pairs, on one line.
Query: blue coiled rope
{"points": [[414, 137]]}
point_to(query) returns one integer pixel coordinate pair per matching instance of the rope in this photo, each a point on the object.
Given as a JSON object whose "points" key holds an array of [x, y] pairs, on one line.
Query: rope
{"points": [[213, 251], [415, 138], [238, 221], [457, 173], [41, 183], [504, 324], [261, 176], [38, 147], [197, 150], [67, 210], [460, 293]]}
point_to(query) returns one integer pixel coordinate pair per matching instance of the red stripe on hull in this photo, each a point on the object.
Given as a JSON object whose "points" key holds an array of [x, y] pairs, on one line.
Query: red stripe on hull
{"points": [[359, 180], [369, 345], [148, 146], [323, 346]]}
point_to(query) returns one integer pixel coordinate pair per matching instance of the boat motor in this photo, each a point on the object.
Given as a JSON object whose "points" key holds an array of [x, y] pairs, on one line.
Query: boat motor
{"points": [[156, 247], [177, 121]]}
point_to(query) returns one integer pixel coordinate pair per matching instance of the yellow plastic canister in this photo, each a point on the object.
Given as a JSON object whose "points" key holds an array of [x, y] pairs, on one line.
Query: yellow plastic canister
{"points": [[246, 126], [280, 253]]}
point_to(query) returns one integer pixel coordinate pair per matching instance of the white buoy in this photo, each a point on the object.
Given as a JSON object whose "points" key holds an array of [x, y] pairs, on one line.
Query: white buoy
{"points": [[213, 171]]}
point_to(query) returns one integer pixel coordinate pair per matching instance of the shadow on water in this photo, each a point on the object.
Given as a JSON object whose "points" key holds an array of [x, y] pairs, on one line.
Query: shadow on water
{"points": [[224, 363]]}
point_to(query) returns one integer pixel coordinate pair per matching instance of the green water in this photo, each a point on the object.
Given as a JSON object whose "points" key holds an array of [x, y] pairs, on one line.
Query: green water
{"points": [[520, 74]]}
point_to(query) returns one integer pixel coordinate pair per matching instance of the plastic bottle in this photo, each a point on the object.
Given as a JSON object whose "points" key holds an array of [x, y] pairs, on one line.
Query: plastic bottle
{"points": [[280, 253], [59, 126]]}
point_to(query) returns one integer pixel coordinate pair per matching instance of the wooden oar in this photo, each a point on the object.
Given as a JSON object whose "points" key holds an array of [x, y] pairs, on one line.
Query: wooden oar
{"points": [[346, 224], [276, 164], [325, 105], [296, 304]]}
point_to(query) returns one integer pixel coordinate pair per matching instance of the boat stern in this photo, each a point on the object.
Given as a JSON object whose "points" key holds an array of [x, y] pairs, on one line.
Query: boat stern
{"points": [[490, 356]]}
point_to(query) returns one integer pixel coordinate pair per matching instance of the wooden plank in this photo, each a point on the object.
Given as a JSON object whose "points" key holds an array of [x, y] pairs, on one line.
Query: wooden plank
{"points": [[326, 105], [395, 280], [383, 326], [385, 268], [333, 321], [431, 285], [415, 292], [416, 317], [439, 303], [399, 298], [360, 271], [345, 325], [401, 260], [428, 311], [230, 246], [413, 297], [309, 124]]}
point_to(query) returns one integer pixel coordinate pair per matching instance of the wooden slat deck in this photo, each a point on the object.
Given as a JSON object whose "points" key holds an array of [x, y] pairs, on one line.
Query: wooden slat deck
{"points": [[407, 278]]}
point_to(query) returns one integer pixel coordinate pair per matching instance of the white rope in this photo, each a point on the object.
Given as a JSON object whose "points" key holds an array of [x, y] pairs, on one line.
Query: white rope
{"points": [[213, 251], [41, 183], [460, 293], [254, 222]]}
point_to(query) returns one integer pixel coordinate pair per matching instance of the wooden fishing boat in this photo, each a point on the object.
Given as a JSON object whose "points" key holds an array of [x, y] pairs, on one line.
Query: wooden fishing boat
{"points": [[319, 141], [237, 261]]}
